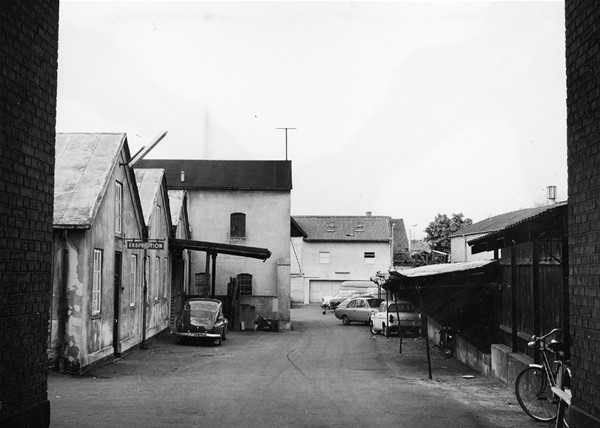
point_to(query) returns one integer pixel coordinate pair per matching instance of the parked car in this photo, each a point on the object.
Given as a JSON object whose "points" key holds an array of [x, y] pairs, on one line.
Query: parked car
{"points": [[358, 309], [345, 302], [332, 302], [385, 320], [202, 318]]}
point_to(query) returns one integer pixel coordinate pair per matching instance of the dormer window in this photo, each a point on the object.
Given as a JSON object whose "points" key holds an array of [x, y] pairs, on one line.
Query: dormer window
{"points": [[331, 227], [360, 227]]}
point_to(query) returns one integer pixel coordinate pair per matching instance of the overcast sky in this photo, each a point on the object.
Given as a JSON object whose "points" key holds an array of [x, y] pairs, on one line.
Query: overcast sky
{"points": [[405, 109]]}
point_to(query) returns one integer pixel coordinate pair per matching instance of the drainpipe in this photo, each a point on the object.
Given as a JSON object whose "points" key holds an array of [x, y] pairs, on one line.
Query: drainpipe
{"points": [[61, 338]]}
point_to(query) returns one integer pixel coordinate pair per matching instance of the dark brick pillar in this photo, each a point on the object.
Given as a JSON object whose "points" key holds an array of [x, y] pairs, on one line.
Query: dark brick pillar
{"points": [[583, 140], [28, 64]]}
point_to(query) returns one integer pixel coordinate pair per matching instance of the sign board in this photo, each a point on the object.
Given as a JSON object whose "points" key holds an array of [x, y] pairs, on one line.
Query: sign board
{"points": [[145, 245]]}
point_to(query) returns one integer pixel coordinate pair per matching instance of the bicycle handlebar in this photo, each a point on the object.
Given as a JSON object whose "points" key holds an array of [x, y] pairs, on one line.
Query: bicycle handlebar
{"points": [[535, 339]]}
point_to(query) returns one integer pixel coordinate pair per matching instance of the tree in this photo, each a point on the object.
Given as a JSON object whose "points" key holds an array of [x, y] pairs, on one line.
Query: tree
{"points": [[440, 229]]}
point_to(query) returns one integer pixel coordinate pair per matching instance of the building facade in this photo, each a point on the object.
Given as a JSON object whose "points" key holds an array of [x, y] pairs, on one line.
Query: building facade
{"points": [[29, 32], [332, 249], [98, 278], [242, 203], [583, 159]]}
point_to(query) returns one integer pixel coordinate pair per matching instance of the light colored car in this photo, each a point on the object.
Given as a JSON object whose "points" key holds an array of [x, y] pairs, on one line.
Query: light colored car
{"points": [[358, 309], [203, 319], [385, 320], [331, 302]]}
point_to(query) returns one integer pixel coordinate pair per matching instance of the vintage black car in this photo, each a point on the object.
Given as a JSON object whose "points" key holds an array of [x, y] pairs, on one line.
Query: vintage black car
{"points": [[202, 318]]}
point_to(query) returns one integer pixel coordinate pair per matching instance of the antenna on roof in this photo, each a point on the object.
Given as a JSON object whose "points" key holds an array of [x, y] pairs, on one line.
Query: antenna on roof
{"points": [[286, 130], [144, 151]]}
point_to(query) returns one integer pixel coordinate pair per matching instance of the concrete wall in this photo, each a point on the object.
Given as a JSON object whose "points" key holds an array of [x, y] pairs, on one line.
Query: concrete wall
{"points": [[583, 159], [346, 263], [461, 252], [267, 226], [29, 52]]}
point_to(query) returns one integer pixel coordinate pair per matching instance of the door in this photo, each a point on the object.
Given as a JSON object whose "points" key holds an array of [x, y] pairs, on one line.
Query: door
{"points": [[117, 302]]}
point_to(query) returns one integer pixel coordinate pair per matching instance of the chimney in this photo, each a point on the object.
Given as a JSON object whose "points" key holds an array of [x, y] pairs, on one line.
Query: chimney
{"points": [[551, 192], [369, 213], [182, 176]]}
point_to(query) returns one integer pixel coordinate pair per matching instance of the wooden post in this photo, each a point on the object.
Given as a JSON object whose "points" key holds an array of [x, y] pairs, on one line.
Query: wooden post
{"points": [[424, 322]]}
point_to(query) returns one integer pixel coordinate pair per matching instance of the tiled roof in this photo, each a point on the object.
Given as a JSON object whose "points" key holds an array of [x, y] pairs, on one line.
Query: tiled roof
{"points": [[224, 174], [502, 221], [441, 269], [84, 165], [345, 228]]}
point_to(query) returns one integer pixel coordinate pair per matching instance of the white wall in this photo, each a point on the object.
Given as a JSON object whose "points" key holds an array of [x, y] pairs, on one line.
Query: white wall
{"points": [[460, 251], [267, 226]]}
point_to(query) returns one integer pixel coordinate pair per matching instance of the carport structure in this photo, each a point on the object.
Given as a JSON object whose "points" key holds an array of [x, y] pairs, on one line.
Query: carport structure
{"points": [[215, 248], [461, 295]]}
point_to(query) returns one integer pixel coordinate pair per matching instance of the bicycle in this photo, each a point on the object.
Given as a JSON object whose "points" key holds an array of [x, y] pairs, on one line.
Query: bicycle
{"points": [[447, 341], [535, 384]]}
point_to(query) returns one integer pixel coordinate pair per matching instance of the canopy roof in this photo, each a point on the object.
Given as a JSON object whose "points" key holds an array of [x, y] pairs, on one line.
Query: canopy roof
{"points": [[220, 248]]}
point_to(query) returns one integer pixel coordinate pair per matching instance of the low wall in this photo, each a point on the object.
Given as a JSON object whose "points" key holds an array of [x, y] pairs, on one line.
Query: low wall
{"points": [[501, 363]]}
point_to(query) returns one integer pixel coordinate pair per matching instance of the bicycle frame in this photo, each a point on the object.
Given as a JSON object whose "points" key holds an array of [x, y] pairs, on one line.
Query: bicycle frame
{"points": [[551, 374]]}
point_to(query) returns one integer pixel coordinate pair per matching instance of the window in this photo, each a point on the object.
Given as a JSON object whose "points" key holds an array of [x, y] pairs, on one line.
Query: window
{"points": [[245, 284], [237, 225], [133, 280], [165, 276], [324, 257], [155, 228], [369, 258], [157, 278], [97, 282], [118, 207], [146, 277]]}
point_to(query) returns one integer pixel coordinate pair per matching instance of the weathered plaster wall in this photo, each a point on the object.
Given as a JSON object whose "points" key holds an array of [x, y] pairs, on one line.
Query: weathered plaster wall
{"points": [[267, 226]]}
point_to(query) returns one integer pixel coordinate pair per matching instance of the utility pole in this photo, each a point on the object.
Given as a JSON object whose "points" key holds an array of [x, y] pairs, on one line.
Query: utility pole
{"points": [[286, 151]]}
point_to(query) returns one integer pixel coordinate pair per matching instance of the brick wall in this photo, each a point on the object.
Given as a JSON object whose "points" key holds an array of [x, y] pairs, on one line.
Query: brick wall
{"points": [[583, 140], [28, 64]]}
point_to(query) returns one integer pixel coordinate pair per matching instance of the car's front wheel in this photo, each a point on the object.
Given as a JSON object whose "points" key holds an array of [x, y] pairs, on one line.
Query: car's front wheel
{"points": [[345, 320]]}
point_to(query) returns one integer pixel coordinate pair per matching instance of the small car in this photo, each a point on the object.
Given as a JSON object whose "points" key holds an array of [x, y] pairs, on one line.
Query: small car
{"points": [[330, 302], [385, 320], [358, 309], [343, 296], [202, 318]]}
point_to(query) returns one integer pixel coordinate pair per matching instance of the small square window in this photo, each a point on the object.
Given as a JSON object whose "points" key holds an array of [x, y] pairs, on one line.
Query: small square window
{"points": [[369, 258], [324, 257]]}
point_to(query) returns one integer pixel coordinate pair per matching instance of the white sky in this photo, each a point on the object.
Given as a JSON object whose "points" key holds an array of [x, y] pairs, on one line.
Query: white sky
{"points": [[406, 109]]}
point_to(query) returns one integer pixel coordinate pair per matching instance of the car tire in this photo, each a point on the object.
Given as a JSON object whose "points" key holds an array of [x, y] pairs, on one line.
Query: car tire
{"points": [[345, 320], [219, 341], [372, 328]]}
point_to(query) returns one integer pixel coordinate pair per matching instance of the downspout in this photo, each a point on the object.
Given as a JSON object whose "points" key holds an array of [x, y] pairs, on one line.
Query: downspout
{"points": [[62, 305]]}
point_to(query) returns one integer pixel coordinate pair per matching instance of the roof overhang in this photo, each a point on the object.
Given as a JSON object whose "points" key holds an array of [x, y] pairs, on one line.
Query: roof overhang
{"points": [[550, 224], [443, 274], [220, 248]]}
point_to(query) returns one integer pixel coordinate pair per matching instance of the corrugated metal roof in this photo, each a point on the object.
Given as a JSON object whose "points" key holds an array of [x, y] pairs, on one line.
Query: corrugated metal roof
{"points": [[440, 269], [502, 221], [224, 174], [148, 182], [84, 164], [345, 228]]}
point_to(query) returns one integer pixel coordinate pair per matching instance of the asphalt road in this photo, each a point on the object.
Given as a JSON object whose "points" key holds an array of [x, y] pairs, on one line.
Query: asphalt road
{"points": [[321, 374]]}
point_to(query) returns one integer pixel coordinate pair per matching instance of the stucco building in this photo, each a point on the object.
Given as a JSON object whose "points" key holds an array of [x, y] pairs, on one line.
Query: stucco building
{"points": [[239, 204], [327, 250]]}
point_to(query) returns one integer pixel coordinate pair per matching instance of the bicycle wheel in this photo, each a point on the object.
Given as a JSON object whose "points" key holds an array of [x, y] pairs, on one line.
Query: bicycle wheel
{"points": [[535, 395]]}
